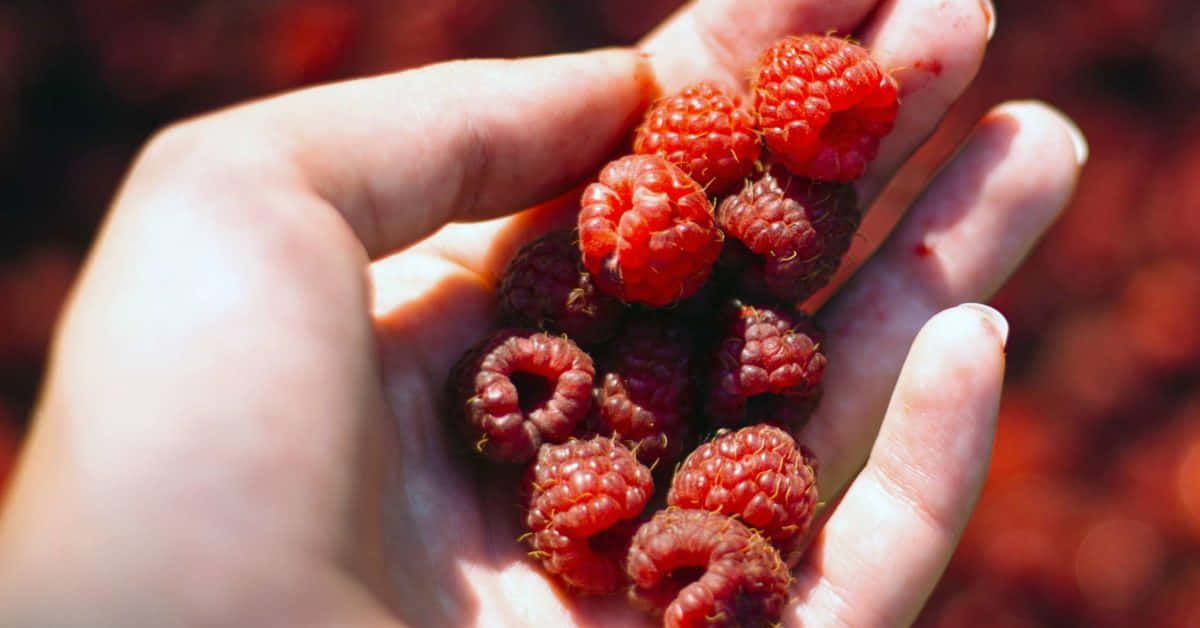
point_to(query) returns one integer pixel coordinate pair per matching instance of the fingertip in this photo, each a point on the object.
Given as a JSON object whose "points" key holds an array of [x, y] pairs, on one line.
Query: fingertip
{"points": [[635, 63], [1024, 157], [965, 322], [459, 141], [1055, 117], [990, 318], [934, 48], [962, 347], [956, 361], [1043, 117]]}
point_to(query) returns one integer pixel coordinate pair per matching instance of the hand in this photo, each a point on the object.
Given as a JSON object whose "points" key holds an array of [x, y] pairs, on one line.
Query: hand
{"points": [[240, 425]]}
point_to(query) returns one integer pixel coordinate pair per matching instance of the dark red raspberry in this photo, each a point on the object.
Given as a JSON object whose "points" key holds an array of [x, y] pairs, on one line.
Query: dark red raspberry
{"points": [[701, 568], [705, 131], [823, 105], [647, 231], [757, 474], [768, 368], [576, 496], [546, 287], [518, 389], [792, 234], [643, 397]]}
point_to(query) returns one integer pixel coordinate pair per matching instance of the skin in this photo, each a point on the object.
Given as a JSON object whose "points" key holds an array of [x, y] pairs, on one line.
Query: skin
{"points": [[240, 426]]}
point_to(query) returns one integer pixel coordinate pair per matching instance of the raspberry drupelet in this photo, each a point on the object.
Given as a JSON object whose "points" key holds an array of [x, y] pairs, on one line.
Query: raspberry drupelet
{"points": [[519, 388], [647, 231], [737, 577], [581, 498], [823, 105], [768, 368], [757, 474], [786, 235], [704, 130], [546, 287]]}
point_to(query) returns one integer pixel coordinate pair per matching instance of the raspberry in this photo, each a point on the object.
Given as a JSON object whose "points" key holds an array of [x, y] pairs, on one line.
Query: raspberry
{"points": [[705, 131], [518, 389], [823, 105], [758, 475], [794, 233], [738, 578], [575, 497], [647, 231], [546, 287], [768, 368], [643, 397]]}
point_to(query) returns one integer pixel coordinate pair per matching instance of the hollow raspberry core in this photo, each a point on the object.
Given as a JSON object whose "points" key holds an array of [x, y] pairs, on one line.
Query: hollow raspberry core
{"points": [[518, 389]]}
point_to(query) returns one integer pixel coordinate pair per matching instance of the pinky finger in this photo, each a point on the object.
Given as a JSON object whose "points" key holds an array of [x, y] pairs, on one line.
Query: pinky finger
{"points": [[887, 542]]}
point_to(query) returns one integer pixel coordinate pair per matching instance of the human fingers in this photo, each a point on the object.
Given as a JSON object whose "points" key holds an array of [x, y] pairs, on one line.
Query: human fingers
{"points": [[933, 48], [884, 547], [720, 40], [400, 155], [969, 230], [242, 232], [715, 40], [225, 302]]}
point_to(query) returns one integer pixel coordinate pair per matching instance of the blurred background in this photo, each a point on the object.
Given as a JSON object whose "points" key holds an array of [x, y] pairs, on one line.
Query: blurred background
{"points": [[1091, 512]]}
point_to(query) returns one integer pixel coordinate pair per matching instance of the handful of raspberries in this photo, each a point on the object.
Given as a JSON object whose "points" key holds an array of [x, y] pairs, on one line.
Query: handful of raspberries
{"points": [[669, 313]]}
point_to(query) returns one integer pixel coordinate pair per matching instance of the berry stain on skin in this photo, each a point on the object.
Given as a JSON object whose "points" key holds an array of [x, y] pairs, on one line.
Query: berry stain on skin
{"points": [[932, 66]]}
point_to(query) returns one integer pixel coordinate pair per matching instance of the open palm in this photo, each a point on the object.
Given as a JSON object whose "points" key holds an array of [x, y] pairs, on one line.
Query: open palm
{"points": [[243, 400]]}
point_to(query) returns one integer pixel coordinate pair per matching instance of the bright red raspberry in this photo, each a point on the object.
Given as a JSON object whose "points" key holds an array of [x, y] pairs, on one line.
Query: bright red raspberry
{"points": [[546, 287], [705, 131], [701, 568], [758, 475], [644, 396], [768, 368], [823, 104], [794, 232], [647, 231], [520, 388], [576, 496]]}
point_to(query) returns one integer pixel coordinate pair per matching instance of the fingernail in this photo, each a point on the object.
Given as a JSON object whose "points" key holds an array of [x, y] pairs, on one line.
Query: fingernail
{"points": [[994, 318], [1077, 138], [989, 14]]}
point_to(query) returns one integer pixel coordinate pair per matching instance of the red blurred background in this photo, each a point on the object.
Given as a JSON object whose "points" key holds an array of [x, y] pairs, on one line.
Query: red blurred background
{"points": [[1091, 513]]}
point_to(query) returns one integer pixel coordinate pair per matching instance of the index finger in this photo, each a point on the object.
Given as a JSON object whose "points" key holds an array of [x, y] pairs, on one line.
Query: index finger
{"points": [[400, 155]]}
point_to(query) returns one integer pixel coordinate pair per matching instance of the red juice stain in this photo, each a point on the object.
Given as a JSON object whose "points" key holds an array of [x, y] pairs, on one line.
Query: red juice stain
{"points": [[922, 250], [932, 66]]}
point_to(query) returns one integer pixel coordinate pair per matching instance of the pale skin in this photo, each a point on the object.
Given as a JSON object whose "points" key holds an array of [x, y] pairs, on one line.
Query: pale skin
{"points": [[239, 426]]}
